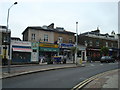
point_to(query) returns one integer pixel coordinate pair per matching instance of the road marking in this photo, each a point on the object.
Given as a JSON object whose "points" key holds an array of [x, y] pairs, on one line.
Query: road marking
{"points": [[92, 64], [112, 63], [101, 64], [83, 83]]}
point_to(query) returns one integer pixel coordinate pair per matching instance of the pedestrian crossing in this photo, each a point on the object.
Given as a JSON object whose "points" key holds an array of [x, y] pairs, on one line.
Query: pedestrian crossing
{"points": [[100, 64]]}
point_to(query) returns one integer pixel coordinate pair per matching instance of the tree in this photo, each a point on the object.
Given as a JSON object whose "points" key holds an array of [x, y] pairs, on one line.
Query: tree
{"points": [[104, 51], [73, 51]]}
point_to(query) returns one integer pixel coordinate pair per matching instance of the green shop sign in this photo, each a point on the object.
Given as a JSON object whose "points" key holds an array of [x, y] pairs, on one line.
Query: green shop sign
{"points": [[35, 45], [49, 49]]}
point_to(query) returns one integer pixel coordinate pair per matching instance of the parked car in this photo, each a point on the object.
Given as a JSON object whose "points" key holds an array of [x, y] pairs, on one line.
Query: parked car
{"points": [[107, 59]]}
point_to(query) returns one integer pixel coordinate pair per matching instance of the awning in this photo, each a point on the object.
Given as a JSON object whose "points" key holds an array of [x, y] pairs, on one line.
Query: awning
{"points": [[22, 49]]}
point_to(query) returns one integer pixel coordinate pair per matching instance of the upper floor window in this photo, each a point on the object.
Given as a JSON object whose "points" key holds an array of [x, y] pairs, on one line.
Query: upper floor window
{"points": [[33, 37], [60, 39], [106, 44], [45, 37], [97, 43], [111, 44], [90, 43], [85, 43], [70, 40]]}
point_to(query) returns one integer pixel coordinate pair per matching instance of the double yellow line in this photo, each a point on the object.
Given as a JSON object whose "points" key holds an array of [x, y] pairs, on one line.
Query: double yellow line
{"points": [[83, 83]]}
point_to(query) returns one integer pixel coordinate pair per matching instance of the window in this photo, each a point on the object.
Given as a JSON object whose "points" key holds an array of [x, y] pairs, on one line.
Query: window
{"points": [[60, 39], [33, 37], [111, 44], [97, 43], [70, 40], [85, 43], [34, 50], [106, 44], [45, 37], [90, 43]]}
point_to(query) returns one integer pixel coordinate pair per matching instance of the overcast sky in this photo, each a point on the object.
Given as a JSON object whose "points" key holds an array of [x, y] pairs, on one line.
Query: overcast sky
{"points": [[63, 13]]}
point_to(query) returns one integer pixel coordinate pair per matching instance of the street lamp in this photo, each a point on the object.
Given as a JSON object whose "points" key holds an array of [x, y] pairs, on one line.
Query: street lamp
{"points": [[8, 37], [76, 43]]}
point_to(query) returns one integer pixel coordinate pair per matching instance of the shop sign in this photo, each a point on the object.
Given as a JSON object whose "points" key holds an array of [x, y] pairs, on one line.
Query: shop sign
{"points": [[66, 45], [49, 49], [93, 49], [21, 43], [22, 49], [48, 45], [35, 45]]}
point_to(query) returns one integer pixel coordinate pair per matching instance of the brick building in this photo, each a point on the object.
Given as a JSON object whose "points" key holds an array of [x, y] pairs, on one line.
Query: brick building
{"points": [[94, 41]]}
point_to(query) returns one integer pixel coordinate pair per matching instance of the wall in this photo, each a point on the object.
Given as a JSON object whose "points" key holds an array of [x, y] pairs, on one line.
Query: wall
{"points": [[65, 37], [25, 36], [102, 42], [39, 34]]}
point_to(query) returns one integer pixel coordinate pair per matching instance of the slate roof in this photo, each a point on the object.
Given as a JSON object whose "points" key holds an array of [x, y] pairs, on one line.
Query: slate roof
{"points": [[48, 29]]}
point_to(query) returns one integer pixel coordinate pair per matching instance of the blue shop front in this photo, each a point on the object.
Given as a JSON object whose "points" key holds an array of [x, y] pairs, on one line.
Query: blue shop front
{"points": [[65, 49]]}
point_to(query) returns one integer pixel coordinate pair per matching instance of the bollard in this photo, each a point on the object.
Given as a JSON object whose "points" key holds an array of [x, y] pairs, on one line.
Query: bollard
{"points": [[80, 61]]}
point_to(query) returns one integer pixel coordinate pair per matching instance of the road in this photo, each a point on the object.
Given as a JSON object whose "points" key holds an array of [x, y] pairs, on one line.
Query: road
{"points": [[62, 78]]}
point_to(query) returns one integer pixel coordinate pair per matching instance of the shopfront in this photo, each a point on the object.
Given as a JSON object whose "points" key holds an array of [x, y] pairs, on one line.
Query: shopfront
{"points": [[65, 49], [21, 52], [94, 53], [82, 52], [48, 50], [113, 52]]}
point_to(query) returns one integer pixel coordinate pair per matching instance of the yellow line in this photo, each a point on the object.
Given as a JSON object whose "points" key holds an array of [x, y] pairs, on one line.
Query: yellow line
{"points": [[80, 85]]}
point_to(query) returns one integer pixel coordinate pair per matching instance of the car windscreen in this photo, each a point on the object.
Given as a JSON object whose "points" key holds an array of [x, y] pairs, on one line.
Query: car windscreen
{"points": [[102, 57]]}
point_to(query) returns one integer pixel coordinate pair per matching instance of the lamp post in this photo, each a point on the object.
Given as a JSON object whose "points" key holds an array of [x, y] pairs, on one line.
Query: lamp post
{"points": [[8, 37], [76, 43]]}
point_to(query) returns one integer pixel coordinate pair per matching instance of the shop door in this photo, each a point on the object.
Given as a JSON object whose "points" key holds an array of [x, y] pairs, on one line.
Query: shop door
{"points": [[83, 56]]}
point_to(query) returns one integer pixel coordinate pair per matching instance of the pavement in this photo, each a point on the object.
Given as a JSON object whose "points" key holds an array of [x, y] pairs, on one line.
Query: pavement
{"points": [[108, 80]]}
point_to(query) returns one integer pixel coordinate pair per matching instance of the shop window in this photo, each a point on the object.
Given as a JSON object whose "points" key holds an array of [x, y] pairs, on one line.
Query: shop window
{"points": [[33, 36], [34, 50], [45, 38]]}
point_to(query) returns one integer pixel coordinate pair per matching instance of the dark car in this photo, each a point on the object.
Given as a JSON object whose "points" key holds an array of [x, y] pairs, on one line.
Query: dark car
{"points": [[107, 59]]}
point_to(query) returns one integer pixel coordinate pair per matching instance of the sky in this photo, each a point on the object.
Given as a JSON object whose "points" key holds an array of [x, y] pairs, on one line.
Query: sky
{"points": [[89, 14]]}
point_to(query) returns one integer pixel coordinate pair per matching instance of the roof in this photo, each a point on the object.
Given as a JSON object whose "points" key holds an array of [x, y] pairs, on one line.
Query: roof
{"points": [[47, 29], [95, 33], [3, 27], [15, 38]]}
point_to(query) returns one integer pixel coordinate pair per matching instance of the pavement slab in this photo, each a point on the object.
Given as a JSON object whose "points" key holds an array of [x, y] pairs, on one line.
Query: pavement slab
{"points": [[108, 80]]}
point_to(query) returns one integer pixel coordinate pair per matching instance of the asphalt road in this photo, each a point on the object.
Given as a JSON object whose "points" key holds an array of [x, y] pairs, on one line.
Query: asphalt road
{"points": [[62, 78], [31, 67]]}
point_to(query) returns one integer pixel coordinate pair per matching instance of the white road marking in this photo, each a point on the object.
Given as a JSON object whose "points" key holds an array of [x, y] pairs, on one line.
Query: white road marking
{"points": [[92, 64]]}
